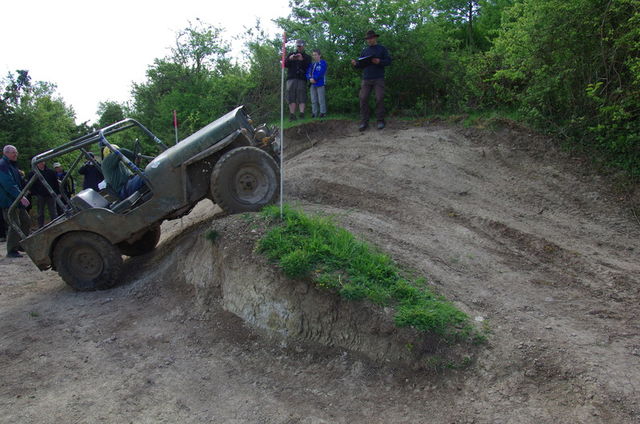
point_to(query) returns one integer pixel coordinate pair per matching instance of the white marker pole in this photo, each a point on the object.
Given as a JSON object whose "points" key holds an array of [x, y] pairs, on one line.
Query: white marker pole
{"points": [[284, 52]]}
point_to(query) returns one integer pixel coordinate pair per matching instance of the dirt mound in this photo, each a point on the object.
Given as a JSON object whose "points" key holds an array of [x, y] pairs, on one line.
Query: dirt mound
{"points": [[541, 253]]}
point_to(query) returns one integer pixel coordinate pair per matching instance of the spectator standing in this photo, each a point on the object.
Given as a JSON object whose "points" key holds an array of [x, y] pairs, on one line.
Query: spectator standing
{"points": [[297, 64], [11, 185], [315, 75], [372, 61], [68, 187], [92, 174], [43, 197]]}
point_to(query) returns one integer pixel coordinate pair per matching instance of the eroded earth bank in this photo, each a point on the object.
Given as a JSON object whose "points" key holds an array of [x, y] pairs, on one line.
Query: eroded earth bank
{"points": [[520, 236]]}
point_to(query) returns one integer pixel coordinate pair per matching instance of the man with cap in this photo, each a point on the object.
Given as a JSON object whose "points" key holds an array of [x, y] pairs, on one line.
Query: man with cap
{"points": [[11, 185], [297, 64], [372, 61]]}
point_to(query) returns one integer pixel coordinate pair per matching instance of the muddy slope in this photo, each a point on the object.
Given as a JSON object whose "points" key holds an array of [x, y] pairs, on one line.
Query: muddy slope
{"points": [[534, 246], [540, 252]]}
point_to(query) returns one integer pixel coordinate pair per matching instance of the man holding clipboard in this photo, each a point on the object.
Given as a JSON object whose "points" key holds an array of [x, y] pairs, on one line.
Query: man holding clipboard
{"points": [[372, 61]]}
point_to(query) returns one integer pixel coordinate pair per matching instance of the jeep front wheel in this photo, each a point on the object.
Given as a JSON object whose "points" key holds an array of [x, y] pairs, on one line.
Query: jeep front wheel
{"points": [[244, 180], [87, 261]]}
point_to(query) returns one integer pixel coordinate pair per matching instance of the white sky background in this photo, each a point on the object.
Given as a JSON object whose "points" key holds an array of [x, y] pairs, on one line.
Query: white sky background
{"points": [[94, 50]]}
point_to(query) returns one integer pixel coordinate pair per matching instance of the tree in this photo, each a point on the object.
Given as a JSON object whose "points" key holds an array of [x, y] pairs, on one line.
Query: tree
{"points": [[110, 112], [34, 118]]}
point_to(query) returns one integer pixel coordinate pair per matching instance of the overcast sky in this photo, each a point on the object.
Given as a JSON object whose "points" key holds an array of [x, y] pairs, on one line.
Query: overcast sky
{"points": [[94, 50]]}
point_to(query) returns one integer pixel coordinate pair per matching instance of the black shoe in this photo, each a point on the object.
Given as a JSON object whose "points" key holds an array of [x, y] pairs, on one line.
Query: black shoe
{"points": [[363, 126], [292, 117], [301, 115], [14, 254], [322, 115], [381, 125]]}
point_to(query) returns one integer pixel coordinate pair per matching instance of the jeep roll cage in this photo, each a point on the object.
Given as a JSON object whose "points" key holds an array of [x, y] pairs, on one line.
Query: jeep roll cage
{"points": [[81, 143]]}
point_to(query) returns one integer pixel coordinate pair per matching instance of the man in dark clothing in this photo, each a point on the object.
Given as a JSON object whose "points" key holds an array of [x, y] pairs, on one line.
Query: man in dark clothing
{"points": [[297, 64], [92, 175], [43, 197], [372, 61], [68, 188], [10, 186]]}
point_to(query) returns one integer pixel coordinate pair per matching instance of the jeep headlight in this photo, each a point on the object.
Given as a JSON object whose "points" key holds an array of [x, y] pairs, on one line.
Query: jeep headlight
{"points": [[262, 134]]}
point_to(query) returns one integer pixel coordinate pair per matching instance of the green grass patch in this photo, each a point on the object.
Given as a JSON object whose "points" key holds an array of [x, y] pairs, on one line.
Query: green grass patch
{"points": [[308, 119], [332, 258], [212, 235]]}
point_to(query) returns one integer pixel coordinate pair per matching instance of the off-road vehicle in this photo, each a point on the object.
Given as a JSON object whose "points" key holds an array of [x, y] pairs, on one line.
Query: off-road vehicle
{"points": [[228, 161]]}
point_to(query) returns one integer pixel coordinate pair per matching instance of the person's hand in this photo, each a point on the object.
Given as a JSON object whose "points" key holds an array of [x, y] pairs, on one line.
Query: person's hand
{"points": [[353, 62], [300, 56], [375, 60], [25, 202], [312, 81]]}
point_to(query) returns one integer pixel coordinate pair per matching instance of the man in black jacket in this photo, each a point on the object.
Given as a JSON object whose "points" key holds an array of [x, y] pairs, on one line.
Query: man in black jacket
{"points": [[372, 61], [92, 174], [297, 64], [43, 197]]}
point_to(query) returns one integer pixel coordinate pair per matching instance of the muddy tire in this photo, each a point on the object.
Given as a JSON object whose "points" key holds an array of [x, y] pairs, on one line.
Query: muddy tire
{"points": [[244, 180], [144, 244], [87, 261]]}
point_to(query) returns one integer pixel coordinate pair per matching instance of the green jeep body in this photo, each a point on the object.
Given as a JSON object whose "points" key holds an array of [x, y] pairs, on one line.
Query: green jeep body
{"points": [[229, 161]]}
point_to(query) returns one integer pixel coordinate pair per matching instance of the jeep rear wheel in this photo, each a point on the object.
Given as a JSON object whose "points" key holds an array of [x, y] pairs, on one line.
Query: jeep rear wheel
{"points": [[87, 261], [244, 180], [144, 244]]}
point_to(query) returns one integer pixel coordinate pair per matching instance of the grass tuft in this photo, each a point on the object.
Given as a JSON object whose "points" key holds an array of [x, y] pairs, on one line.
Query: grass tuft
{"points": [[211, 235], [331, 257]]}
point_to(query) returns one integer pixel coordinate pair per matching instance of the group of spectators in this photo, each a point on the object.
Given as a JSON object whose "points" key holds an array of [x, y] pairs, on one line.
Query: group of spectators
{"points": [[60, 188], [303, 70]]}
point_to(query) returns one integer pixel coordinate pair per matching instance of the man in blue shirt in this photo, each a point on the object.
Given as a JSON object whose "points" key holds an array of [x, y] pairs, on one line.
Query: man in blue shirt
{"points": [[372, 61], [10, 186]]}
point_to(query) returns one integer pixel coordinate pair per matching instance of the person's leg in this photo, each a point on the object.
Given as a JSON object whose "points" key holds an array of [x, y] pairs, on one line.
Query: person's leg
{"points": [[3, 228], [302, 96], [313, 92], [13, 239], [291, 98], [25, 221], [133, 185], [51, 207], [379, 85], [365, 90], [322, 101], [40, 203]]}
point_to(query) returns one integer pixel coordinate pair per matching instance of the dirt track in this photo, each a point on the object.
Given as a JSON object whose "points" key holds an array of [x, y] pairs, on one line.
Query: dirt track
{"points": [[517, 234]]}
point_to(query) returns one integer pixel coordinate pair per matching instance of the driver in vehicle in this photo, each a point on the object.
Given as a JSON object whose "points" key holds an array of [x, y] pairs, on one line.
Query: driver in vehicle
{"points": [[118, 177]]}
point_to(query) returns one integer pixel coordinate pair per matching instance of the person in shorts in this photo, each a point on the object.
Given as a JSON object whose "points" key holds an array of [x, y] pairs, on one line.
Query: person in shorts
{"points": [[297, 64]]}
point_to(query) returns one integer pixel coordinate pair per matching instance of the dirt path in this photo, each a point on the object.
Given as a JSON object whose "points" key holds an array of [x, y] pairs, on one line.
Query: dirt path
{"points": [[518, 239]]}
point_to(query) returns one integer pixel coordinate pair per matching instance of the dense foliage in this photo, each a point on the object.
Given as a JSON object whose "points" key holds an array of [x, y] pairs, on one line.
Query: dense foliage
{"points": [[570, 67], [33, 117]]}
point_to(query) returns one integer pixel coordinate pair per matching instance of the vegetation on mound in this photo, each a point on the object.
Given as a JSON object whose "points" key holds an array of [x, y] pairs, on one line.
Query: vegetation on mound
{"points": [[315, 248]]}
